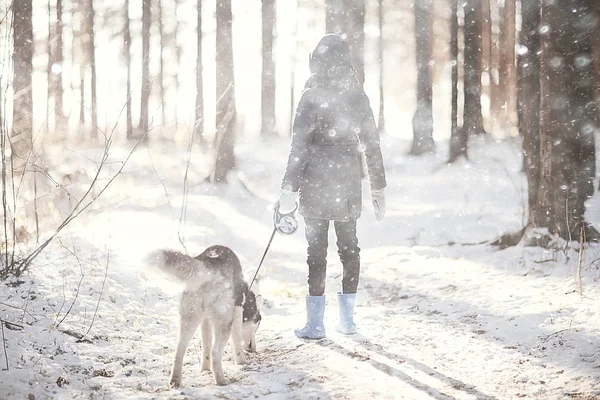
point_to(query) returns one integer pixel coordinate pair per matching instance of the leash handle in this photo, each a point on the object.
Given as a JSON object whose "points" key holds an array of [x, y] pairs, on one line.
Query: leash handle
{"points": [[263, 257]]}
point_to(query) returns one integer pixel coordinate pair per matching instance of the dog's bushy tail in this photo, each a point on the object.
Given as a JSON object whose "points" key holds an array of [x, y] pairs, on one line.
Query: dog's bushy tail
{"points": [[179, 265]]}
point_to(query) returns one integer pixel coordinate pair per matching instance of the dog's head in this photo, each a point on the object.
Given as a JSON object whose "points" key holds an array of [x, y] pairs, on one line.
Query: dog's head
{"points": [[251, 317]]}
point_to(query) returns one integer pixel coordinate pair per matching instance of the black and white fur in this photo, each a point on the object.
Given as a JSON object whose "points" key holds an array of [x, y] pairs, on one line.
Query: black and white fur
{"points": [[217, 298]]}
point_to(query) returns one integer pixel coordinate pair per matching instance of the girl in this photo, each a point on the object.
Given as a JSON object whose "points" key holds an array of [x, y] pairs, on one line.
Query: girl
{"points": [[333, 122]]}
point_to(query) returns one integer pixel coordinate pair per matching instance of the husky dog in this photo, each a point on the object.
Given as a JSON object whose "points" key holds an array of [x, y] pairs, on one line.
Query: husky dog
{"points": [[217, 298]]}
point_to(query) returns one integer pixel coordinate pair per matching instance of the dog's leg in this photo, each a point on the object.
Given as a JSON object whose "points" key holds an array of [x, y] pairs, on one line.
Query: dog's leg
{"points": [[236, 336], [188, 326], [206, 344], [222, 331]]}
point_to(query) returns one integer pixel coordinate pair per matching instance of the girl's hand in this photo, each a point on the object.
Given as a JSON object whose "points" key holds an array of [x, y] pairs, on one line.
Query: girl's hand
{"points": [[378, 199]]}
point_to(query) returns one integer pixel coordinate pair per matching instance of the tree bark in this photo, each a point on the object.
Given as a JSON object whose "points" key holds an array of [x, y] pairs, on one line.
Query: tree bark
{"points": [[161, 70], [528, 91], [458, 137], [568, 117], [127, 43], [57, 75], [91, 47], [473, 118], [380, 20], [268, 69], [422, 121], [199, 115], [225, 85], [143, 125], [347, 18], [506, 65], [22, 127]]}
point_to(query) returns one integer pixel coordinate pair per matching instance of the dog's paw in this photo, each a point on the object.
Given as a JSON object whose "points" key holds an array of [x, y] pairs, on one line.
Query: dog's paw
{"points": [[175, 381], [222, 381], [240, 359], [205, 366]]}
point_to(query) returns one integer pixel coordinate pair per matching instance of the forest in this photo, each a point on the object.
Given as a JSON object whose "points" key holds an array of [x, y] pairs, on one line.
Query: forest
{"points": [[131, 125]]}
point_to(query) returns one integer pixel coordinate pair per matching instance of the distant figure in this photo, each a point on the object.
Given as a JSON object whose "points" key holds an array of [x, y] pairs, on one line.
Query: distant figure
{"points": [[333, 121]]}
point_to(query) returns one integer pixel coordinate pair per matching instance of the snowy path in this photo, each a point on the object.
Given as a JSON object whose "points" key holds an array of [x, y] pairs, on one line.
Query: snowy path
{"points": [[437, 320]]}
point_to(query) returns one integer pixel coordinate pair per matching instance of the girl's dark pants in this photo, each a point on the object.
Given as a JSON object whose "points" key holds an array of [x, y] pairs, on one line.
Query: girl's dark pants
{"points": [[348, 250]]}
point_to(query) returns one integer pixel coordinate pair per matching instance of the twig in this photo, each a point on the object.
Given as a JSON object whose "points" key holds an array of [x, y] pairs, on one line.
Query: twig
{"points": [[4, 346], [557, 333], [78, 209], [101, 293], [76, 292], [581, 251], [11, 323]]}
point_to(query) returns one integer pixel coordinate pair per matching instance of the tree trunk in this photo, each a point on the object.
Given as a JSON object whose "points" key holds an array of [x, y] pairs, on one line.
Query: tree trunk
{"points": [[225, 84], [178, 52], [347, 18], [268, 69], [458, 137], [57, 69], [143, 125], [568, 117], [380, 20], [596, 45], [422, 121], [22, 127], [90, 14], [528, 90], [486, 45], [78, 11], [127, 43], [199, 115], [506, 67], [473, 119], [161, 70]]}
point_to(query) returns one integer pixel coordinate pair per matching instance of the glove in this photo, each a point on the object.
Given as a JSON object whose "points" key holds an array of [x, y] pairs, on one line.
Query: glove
{"points": [[378, 199], [287, 201]]}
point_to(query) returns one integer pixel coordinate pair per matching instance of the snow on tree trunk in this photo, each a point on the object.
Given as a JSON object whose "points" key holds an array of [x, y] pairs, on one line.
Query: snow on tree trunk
{"points": [[568, 117], [422, 121], [22, 126], [473, 119], [268, 69], [225, 113]]}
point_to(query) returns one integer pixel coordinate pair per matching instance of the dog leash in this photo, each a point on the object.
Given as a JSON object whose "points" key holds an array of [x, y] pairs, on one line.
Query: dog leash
{"points": [[282, 223], [263, 257]]}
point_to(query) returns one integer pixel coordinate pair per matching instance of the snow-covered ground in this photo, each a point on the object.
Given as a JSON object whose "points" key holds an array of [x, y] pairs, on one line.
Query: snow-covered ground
{"points": [[439, 315]]}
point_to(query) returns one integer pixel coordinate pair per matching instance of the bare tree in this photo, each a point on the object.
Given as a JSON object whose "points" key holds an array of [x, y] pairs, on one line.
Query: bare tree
{"points": [[458, 137], [225, 113], [422, 121], [198, 124], [268, 69], [57, 75], [561, 162], [161, 70], [506, 65], [380, 20], [146, 22], [473, 118], [568, 117], [347, 18], [22, 127], [528, 84], [127, 50], [91, 48]]}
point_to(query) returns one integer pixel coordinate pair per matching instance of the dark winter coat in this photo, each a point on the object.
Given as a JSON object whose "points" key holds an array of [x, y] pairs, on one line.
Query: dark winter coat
{"points": [[333, 120]]}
